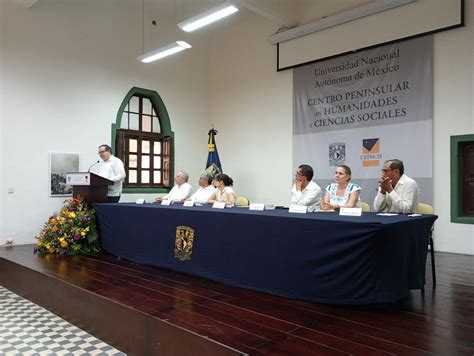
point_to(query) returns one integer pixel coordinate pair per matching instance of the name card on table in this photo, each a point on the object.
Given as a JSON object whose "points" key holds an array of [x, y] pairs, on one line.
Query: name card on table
{"points": [[188, 203], [301, 209], [219, 205], [166, 202], [140, 201], [257, 206], [350, 211]]}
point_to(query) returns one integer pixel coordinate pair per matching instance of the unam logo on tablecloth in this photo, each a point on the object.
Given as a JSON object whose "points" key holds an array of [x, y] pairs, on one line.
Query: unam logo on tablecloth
{"points": [[183, 247], [337, 153]]}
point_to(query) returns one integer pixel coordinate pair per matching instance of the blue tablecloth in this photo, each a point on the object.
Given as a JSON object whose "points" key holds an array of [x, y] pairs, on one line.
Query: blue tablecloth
{"points": [[320, 257]]}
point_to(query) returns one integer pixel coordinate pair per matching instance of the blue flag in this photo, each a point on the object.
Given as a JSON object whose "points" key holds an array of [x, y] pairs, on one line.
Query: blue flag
{"points": [[213, 164]]}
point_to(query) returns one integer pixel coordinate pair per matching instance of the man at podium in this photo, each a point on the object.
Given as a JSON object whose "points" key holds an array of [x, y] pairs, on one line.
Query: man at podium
{"points": [[111, 167]]}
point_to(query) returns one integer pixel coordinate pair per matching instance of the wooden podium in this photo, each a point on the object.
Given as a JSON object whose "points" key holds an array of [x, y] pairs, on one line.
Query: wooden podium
{"points": [[90, 186]]}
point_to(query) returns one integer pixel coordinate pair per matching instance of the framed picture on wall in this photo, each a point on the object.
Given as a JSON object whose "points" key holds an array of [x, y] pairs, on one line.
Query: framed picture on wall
{"points": [[59, 165]]}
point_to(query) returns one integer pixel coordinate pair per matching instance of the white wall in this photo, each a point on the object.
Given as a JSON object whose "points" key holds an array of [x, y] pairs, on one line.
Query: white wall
{"points": [[453, 115], [2, 240], [251, 106], [66, 67]]}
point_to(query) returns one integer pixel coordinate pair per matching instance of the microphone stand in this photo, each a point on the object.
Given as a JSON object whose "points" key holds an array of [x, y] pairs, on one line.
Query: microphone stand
{"points": [[92, 165]]}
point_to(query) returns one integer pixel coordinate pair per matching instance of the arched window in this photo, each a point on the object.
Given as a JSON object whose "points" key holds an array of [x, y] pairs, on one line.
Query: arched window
{"points": [[143, 140]]}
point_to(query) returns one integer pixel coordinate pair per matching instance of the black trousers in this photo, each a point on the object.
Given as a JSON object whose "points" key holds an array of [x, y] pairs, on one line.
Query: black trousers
{"points": [[113, 199]]}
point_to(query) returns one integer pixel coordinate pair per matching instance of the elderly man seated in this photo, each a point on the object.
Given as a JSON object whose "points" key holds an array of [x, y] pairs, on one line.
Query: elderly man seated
{"points": [[181, 190], [397, 192], [205, 190]]}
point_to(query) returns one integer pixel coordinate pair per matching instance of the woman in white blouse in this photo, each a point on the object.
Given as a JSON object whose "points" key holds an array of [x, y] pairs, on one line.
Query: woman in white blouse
{"points": [[342, 193], [224, 191]]}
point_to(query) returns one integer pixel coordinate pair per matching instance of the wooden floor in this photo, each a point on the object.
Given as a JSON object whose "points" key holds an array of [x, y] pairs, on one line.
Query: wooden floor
{"points": [[441, 322]]}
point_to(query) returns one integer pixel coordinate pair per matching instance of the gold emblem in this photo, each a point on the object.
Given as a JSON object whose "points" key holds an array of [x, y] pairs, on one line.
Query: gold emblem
{"points": [[183, 247]]}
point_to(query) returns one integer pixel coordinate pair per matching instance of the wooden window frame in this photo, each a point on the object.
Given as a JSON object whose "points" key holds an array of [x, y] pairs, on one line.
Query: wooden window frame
{"points": [[457, 168], [123, 149]]}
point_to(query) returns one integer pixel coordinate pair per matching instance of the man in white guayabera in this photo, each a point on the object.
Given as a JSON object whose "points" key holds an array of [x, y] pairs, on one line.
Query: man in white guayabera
{"points": [[397, 192], [180, 191], [305, 192], [111, 167]]}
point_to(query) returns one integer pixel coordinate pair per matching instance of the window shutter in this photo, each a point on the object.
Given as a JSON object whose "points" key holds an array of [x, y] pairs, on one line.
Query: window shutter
{"points": [[120, 145], [167, 161], [467, 156]]}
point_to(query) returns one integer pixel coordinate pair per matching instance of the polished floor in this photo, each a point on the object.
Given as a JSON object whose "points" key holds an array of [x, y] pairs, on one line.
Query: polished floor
{"points": [[439, 322]]}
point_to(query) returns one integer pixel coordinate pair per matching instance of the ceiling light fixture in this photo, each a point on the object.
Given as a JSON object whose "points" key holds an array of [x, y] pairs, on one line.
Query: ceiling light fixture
{"points": [[337, 19], [205, 18], [165, 51]]}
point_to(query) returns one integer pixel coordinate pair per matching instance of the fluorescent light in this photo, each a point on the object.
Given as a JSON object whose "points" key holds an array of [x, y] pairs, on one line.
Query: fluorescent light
{"points": [[337, 19], [207, 17], [165, 51]]}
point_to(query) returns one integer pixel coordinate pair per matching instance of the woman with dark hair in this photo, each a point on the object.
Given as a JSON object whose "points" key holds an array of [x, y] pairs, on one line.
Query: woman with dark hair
{"points": [[342, 193], [224, 191]]}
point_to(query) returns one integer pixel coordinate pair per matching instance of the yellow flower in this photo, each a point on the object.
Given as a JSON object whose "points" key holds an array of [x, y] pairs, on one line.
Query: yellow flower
{"points": [[72, 215], [61, 239], [63, 244], [47, 246], [83, 233], [51, 250], [87, 228], [39, 243]]}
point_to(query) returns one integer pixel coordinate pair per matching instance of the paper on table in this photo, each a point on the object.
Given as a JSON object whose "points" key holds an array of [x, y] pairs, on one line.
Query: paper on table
{"points": [[387, 214]]}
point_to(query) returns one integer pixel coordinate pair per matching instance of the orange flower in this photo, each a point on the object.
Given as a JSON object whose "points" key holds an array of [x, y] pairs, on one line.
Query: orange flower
{"points": [[64, 244], [54, 229]]}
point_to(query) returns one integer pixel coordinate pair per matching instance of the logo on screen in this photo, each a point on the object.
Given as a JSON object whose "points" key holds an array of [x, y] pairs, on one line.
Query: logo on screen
{"points": [[337, 153], [371, 152]]}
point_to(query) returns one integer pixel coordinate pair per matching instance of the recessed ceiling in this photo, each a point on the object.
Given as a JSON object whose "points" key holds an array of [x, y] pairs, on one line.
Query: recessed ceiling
{"points": [[282, 12]]}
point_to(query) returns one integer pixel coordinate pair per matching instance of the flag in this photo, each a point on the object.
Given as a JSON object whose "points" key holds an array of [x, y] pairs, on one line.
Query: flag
{"points": [[213, 164]]}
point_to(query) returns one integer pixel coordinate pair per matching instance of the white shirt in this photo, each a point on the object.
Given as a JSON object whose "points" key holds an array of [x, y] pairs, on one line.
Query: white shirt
{"points": [[179, 193], [222, 195], [202, 195], [309, 196], [113, 170], [404, 198]]}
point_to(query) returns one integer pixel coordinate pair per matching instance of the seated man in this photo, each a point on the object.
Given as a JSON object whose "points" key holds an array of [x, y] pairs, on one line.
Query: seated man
{"points": [[305, 191], [205, 190], [397, 192], [181, 190]]}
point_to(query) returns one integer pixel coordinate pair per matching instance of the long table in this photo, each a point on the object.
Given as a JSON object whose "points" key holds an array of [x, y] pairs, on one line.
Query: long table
{"points": [[320, 257]]}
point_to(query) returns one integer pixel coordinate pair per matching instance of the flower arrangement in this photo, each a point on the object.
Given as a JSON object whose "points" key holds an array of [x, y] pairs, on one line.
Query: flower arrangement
{"points": [[71, 231]]}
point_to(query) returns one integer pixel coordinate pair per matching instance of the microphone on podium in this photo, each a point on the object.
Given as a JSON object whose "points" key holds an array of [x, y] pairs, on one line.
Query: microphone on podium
{"points": [[92, 165]]}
